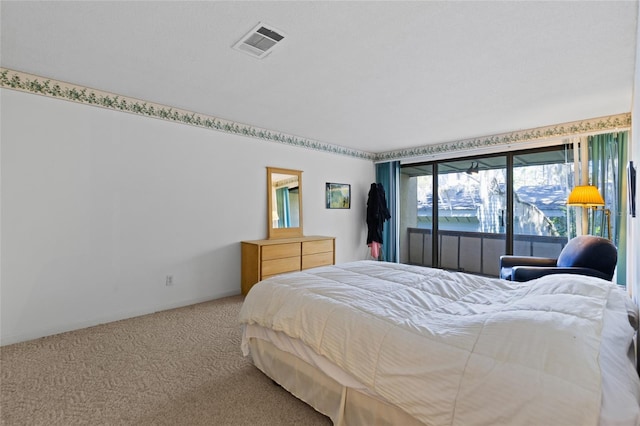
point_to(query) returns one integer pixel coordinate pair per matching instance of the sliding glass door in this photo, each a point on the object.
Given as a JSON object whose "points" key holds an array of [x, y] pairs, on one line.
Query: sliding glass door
{"points": [[416, 215], [479, 208], [541, 182], [472, 207]]}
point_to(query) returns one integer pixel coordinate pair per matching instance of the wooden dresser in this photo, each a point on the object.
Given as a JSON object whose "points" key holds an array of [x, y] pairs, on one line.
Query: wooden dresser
{"points": [[264, 258]]}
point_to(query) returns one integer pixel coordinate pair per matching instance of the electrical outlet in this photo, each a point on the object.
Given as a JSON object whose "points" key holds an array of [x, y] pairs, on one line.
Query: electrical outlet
{"points": [[169, 280]]}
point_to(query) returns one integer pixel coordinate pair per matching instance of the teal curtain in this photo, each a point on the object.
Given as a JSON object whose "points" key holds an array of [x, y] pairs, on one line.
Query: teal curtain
{"points": [[608, 157], [388, 175], [282, 200]]}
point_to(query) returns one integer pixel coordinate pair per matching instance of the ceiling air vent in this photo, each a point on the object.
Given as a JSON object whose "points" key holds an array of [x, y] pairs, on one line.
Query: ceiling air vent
{"points": [[260, 41]]}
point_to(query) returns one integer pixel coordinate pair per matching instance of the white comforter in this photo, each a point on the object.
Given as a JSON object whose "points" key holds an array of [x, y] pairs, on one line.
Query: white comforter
{"points": [[450, 348]]}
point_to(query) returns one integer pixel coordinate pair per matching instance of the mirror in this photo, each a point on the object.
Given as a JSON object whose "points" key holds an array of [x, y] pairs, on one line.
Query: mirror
{"points": [[284, 203]]}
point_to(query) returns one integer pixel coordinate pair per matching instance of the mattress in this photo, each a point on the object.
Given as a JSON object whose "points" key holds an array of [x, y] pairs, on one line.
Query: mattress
{"points": [[603, 340]]}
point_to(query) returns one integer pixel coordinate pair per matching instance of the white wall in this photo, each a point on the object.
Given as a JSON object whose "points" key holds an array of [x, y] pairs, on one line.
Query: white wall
{"points": [[98, 207]]}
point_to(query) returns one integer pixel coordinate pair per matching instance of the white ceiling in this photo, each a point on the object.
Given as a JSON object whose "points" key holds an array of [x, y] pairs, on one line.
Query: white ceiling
{"points": [[369, 75]]}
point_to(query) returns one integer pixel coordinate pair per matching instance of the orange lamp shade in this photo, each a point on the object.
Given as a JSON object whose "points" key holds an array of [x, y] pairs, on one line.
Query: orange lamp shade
{"points": [[585, 196]]}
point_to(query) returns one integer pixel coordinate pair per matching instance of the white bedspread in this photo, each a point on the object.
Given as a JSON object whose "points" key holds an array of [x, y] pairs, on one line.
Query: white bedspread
{"points": [[449, 348]]}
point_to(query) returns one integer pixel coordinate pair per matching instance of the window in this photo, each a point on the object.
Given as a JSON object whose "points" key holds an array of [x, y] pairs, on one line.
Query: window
{"points": [[461, 220]]}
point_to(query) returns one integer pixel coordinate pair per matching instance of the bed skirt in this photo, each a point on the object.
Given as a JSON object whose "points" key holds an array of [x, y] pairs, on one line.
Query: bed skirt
{"points": [[343, 405]]}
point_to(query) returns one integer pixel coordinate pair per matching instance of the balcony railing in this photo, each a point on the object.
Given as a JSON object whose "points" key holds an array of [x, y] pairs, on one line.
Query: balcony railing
{"points": [[476, 252]]}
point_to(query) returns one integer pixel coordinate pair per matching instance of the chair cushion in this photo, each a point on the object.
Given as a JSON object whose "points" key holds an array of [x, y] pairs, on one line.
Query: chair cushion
{"points": [[588, 251]]}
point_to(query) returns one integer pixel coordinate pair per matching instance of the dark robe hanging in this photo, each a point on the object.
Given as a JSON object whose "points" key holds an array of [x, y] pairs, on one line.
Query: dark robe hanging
{"points": [[377, 213]]}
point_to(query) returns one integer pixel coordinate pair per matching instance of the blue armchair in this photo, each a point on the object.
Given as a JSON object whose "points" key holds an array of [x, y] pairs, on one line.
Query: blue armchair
{"points": [[585, 255]]}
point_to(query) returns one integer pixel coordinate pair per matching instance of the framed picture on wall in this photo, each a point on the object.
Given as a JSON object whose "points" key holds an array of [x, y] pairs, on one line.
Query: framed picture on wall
{"points": [[338, 195]]}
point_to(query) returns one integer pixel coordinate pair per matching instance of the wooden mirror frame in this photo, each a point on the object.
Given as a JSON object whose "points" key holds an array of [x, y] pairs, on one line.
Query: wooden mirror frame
{"points": [[275, 233]]}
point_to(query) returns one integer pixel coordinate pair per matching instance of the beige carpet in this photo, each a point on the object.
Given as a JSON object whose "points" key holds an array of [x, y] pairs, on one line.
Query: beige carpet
{"points": [[177, 367]]}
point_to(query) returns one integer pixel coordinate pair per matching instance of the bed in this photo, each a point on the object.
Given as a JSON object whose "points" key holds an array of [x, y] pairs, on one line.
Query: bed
{"points": [[371, 342]]}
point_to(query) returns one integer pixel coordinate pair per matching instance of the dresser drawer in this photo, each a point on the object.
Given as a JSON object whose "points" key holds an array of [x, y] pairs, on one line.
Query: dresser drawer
{"points": [[262, 259], [278, 251], [278, 266], [321, 246], [318, 259]]}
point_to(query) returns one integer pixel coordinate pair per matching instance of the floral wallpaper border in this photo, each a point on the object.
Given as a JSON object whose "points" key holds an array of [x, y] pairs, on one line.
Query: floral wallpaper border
{"points": [[617, 122], [24, 82]]}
